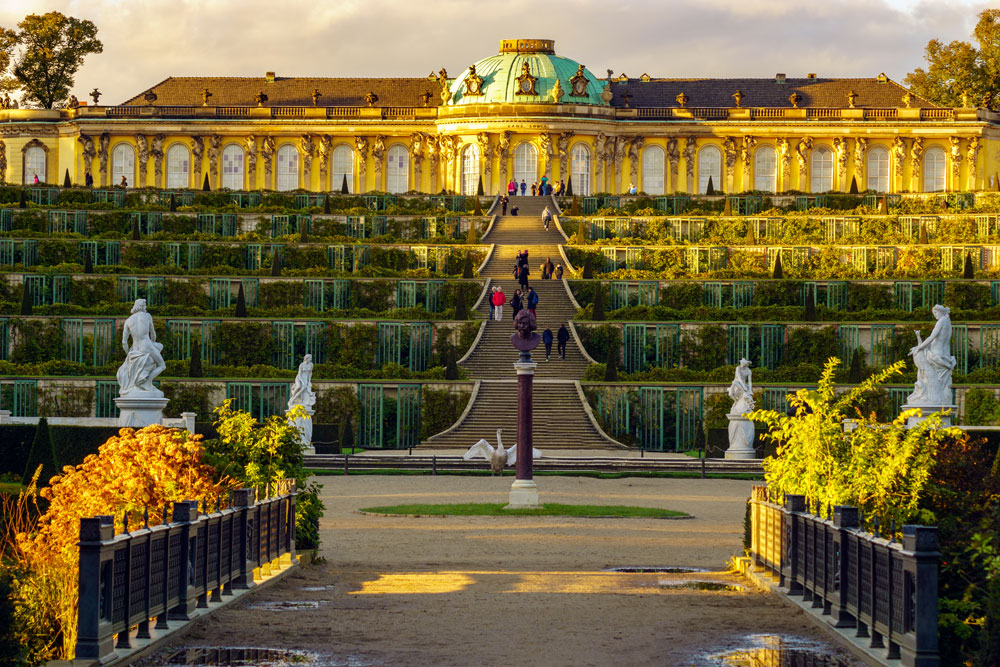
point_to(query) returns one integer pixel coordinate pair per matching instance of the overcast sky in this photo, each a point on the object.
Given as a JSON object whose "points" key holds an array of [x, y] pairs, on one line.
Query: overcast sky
{"points": [[146, 41]]}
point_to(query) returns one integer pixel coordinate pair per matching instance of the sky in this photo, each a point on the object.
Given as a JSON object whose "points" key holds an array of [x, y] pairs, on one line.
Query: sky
{"points": [[146, 41]]}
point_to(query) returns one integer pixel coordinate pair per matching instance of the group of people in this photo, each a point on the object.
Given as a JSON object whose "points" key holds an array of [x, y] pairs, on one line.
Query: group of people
{"points": [[540, 188]]}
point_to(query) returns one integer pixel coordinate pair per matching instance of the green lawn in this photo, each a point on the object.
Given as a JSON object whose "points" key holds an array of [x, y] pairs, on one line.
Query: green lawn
{"points": [[325, 472], [547, 509]]}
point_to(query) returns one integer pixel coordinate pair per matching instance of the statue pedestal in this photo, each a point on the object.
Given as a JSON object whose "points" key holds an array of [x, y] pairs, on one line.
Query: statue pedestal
{"points": [[305, 427], [927, 410], [140, 411], [741, 436], [524, 491]]}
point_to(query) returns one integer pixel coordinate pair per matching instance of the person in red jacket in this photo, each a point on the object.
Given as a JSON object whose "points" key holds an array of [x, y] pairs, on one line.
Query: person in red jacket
{"points": [[498, 300]]}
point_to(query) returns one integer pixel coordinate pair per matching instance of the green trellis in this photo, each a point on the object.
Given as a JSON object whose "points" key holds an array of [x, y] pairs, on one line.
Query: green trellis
{"points": [[669, 418], [738, 346], [106, 391], [283, 335], [406, 294], [960, 346], [104, 339], [882, 336], [315, 341], [742, 294], [903, 296], [220, 293], [407, 415], [178, 339], [314, 294], [435, 303], [635, 347], [4, 339], [847, 337], [711, 294], [260, 399], [989, 345], [772, 345], [210, 352], [668, 345], [370, 423], [72, 332]]}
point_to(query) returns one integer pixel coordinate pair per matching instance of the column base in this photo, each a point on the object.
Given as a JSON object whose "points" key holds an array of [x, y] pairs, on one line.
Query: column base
{"points": [[523, 495], [927, 410], [140, 411]]}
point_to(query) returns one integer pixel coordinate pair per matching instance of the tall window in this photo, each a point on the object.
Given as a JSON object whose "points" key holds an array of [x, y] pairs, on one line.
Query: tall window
{"points": [[581, 169], [652, 170], [764, 169], [232, 167], [123, 164], [288, 168], [525, 165], [709, 166], [398, 170], [470, 169], [822, 170], [935, 169], [878, 169], [34, 163], [178, 167], [343, 165]]}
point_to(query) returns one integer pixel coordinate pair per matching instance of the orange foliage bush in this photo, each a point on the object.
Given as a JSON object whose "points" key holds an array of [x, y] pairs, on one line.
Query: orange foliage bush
{"points": [[132, 471]]}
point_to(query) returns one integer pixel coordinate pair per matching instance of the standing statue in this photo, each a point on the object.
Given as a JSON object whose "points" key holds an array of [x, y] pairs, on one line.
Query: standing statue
{"points": [[486, 152], [143, 361], [840, 150], [600, 155], [198, 154], [741, 432], [932, 357], [956, 161], [729, 148], [673, 159], [378, 152], [88, 154], [784, 162], [633, 155], [361, 143], [431, 148], [303, 395], [417, 155], [563, 145], [104, 142], [545, 152], [143, 144], [860, 149], [690, 147], [971, 156], [307, 147], [157, 152], [251, 145], [620, 151], [898, 158], [267, 154], [802, 152], [324, 149], [503, 150], [916, 160], [3, 162], [214, 147]]}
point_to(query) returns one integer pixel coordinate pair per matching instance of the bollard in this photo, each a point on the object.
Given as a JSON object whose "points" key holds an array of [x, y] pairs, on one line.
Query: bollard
{"points": [[345, 464], [703, 468], [434, 465]]}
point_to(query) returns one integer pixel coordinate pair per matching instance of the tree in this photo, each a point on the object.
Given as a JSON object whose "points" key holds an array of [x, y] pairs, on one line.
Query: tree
{"points": [[479, 191], [598, 311], [51, 48], [473, 237], [135, 230], [968, 271], [710, 188], [42, 454], [959, 68], [275, 263], [26, 300], [67, 183], [451, 367], [461, 310], [611, 367], [205, 185], [778, 271], [588, 267], [343, 186], [467, 271], [88, 263], [195, 367], [569, 190], [855, 372]]}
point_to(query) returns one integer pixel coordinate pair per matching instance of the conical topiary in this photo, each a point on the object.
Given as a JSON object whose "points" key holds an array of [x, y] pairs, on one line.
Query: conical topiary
{"points": [[923, 235], [479, 190], [451, 366], [42, 454], [303, 236], [569, 190], [135, 230], [611, 367], [343, 187], [968, 271], [173, 203], [855, 373], [326, 205], [581, 228], [751, 239], [27, 301], [574, 207], [88, 263], [461, 310], [599, 305], [467, 271], [195, 369], [884, 206], [22, 201], [478, 210], [205, 186], [778, 273], [710, 188], [66, 182], [473, 236], [275, 263], [854, 185], [809, 314], [728, 208], [588, 267], [347, 437], [241, 302]]}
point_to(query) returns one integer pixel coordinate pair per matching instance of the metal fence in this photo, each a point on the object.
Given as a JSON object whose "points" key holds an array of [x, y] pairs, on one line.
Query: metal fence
{"points": [[886, 590], [168, 571]]}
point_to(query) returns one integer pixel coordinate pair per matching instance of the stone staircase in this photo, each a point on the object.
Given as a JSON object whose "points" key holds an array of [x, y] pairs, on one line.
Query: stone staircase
{"points": [[560, 419]]}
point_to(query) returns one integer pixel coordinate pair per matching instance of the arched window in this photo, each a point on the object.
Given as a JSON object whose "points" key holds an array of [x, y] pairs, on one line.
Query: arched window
{"points": [[398, 170], [470, 169], [178, 167], [764, 169], [709, 166], [288, 168], [878, 169], [232, 167], [343, 165], [935, 169], [123, 164], [525, 164], [580, 173], [652, 170], [822, 170], [34, 163]]}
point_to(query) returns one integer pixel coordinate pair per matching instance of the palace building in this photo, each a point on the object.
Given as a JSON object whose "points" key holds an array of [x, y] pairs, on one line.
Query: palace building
{"points": [[523, 113]]}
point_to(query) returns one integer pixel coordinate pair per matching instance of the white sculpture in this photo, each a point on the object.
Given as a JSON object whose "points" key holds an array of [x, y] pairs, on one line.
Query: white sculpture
{"points": [[303, 395], [499, 458], [143, 361], [139, 402], [934, 362], [741, 432]]}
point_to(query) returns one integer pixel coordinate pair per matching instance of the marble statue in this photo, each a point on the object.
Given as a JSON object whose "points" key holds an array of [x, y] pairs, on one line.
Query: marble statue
{"points": [[498, 457], [741, 432], [302, 394], [934, 362], [143, 361]]}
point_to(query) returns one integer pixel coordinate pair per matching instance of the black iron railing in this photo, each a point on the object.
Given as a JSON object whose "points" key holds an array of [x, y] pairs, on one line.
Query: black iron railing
{"points": [[887, 590], [169, 571]]}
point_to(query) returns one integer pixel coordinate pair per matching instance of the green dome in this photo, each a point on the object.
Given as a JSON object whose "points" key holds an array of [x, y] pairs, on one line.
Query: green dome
{"points": [[502, 76]]}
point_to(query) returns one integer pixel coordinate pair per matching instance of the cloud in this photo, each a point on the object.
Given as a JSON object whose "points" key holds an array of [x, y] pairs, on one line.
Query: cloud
{"points": [[146, 41]]}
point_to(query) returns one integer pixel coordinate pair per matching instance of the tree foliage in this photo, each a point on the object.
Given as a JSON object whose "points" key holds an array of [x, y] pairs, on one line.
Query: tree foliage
{"points": [[48, 49], [960, 68]]}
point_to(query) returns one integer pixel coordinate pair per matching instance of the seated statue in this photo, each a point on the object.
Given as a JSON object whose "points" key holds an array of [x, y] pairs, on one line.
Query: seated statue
{"points": [[934, 362], [143, 361], [302, 393]]}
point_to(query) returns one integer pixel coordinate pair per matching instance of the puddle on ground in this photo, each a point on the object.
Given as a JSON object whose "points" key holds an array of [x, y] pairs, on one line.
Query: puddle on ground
{"points": [[314, 589], [241, 656], [700, 585], [285, 605], [778, 651], [657, 570]]}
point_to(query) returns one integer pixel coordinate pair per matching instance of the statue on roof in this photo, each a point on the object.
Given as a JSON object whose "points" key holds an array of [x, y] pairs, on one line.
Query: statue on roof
{"points": [[578, 84], [315, 96], [473, 82], [260, 98], [73, 102], [205, 94], [557, 92], [96, 94]]}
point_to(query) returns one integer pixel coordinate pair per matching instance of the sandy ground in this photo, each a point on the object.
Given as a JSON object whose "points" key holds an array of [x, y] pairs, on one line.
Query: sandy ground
{"points": [[501, 591]]}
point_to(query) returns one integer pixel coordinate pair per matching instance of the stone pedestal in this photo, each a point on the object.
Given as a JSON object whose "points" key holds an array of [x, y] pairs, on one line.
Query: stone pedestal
{"points": [[305, 427], [741, 436], [927, 410], [140, 411], [524, 492]]}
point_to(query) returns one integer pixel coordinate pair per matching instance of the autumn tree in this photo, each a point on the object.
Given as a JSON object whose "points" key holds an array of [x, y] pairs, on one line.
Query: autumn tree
{"points": [[48, 49], [960, 68]]}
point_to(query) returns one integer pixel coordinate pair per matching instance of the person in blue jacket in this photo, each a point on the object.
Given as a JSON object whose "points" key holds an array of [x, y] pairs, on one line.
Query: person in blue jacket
{"points": [[547, 339]]}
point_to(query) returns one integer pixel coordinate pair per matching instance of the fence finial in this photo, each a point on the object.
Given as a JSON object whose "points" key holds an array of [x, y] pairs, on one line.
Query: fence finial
{"points": [[145, 516], [125, 522]]}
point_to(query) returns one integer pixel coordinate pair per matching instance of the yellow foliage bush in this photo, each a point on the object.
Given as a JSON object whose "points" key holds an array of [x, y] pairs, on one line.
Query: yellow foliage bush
{"points": [[133, 471]]}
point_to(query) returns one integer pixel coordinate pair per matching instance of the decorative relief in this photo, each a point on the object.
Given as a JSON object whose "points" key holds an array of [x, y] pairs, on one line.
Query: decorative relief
{"points": [[267, 154], [88, 153], [378, 154], [198, 153], [214, 147], [916, 164], [633, 153], [361, 144], [578, 84], [503, 150], [729, 149], [563, 146], [971, 155], [417, 155], [620, 151], [746, 152], [690, 146], [673, 158], [251, 147], [324, 149], [431, 148], [840, 152], [526, 83], [898, 157], [473, 83], [102, 155], [784, 161], [486, 151], [545, 151], [308, 148], [600, 155], [956, 161], [802, 153], [860, 149], [143, 145], [156, 150]]}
